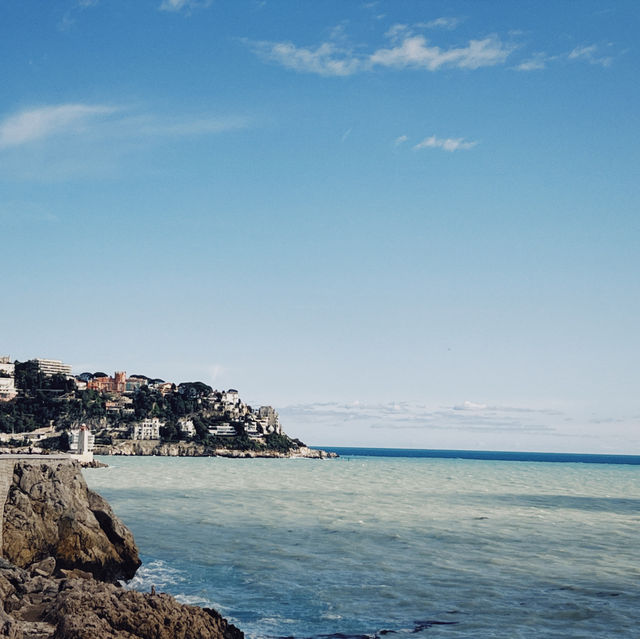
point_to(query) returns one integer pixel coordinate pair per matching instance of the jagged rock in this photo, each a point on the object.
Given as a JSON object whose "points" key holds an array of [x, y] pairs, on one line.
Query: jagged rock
{"points": [[50, 512], [8, 626], [41, 607], [86, 610], [44, 568]]}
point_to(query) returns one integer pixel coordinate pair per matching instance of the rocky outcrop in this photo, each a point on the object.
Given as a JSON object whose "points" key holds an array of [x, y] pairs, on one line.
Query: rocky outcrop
{"points": [[63, 547], [50, 512], [192, 449], [40, 605]]}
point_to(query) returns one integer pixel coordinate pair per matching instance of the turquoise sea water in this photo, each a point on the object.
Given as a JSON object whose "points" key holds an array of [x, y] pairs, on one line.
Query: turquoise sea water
{"points": [[365, 544]]}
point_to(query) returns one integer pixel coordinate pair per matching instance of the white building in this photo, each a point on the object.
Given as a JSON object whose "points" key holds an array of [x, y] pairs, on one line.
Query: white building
{"points": [[269, 419], [147, 429], [7, 389], [224, 429], [7, 366], [230, 397], [252, 430], [186, 426], [53, 367], [7, 383], [81, 443]]}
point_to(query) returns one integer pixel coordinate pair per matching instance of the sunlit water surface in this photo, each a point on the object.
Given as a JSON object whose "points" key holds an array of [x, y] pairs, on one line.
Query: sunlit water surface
{"points": [[359, 545]]}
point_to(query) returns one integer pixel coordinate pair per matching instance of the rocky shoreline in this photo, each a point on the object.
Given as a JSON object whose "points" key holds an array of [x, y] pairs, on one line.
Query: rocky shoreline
{"points": [[64, 551], [191, 449]]}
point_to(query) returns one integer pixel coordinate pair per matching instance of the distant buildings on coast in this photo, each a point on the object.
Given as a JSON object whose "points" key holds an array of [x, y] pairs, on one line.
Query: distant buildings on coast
{"points": [[48, 367], [117, 413], [53, 367]]}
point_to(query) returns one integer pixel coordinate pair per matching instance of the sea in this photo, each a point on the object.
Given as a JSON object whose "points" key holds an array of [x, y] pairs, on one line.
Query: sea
{"points": [[424, 544]]}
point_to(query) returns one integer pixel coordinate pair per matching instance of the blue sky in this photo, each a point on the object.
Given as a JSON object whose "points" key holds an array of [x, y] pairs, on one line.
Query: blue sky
{"points": [[401, 223]]}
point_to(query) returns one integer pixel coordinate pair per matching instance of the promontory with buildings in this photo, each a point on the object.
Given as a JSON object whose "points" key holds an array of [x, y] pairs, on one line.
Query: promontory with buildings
{"points": [[44, 407]]}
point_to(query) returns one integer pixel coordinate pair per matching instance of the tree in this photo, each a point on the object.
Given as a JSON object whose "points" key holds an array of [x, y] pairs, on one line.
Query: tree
{"points": [[169, 432]]}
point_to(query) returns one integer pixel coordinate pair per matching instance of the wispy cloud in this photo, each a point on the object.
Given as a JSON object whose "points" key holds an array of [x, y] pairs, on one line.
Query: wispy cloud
{"points": [[326, 59], [69, 18], [35, 124], [445, 22], [415, 52], [446, 144], [536, 62], [151, 125], [401, 139], [408, 49], [184, 5], [467, 416], [398, 32], [86, 120], [67, 141], [591, 54]]}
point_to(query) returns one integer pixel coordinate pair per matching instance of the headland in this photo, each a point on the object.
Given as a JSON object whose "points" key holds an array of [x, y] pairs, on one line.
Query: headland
{"points": [[43, 407]]}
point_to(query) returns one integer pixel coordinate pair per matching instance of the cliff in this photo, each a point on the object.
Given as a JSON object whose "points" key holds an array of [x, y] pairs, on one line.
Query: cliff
{"points": [[63, 548], [50, 512], [192, 449]]}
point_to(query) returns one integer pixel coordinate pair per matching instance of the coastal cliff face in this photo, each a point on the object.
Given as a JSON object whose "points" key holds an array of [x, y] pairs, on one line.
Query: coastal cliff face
{"points": [[191, 449], [62, 546], [50, 512]]}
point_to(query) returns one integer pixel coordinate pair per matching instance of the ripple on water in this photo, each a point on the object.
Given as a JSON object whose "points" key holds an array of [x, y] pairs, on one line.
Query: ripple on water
{"points": [[456, 548]]}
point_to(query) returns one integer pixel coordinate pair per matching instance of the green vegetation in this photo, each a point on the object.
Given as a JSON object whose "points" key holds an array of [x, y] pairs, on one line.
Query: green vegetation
{"points": [[54, 400]]}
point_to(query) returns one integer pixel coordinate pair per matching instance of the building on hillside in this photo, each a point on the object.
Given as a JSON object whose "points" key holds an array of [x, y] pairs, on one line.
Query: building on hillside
{"points": [[53, 367], [134, 383], [7, 379], [223, 429], [119, 405], [147, 429], [164, 388], [269, 419], [230, 397], [253, 430], [186, 426], [7, 366], [116, 384]]}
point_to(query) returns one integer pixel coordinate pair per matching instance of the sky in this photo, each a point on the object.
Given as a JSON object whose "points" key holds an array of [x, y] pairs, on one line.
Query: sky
{"points": [[402, 223]]}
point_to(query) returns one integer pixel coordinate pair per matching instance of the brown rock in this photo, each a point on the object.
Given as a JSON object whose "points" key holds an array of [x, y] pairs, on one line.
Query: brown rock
{"points": [[44, 568], [86, 610], [50, 512]]}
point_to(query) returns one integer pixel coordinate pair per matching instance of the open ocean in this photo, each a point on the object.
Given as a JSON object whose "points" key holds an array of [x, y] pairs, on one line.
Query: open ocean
{"points": [[372, 543]]}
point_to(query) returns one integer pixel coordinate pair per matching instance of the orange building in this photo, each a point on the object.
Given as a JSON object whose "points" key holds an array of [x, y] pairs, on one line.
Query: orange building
{"points": [[115, 384]]}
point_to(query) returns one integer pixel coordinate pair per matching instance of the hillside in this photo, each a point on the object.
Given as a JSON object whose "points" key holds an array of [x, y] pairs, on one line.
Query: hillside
{"points": [[121, 408]]}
